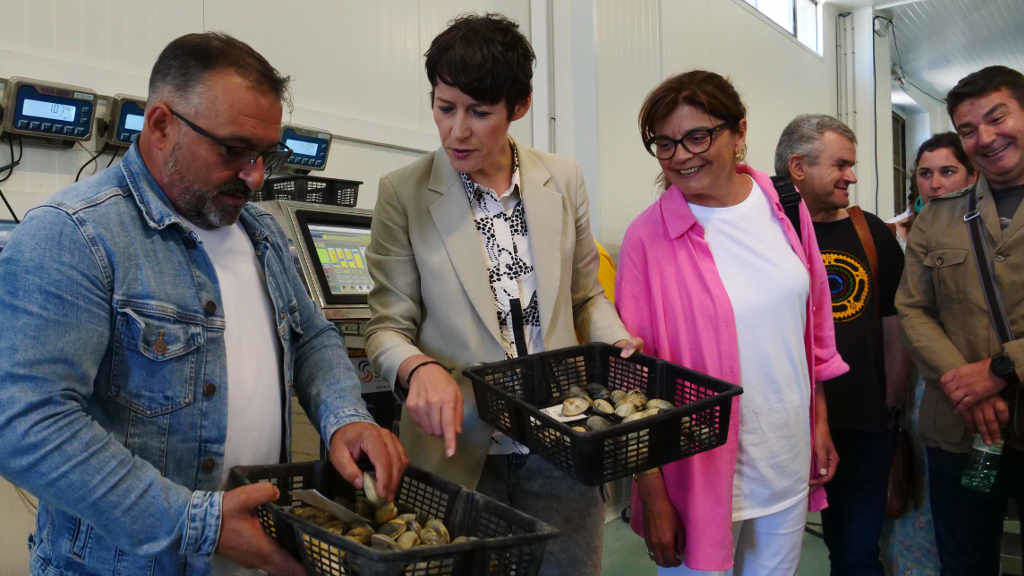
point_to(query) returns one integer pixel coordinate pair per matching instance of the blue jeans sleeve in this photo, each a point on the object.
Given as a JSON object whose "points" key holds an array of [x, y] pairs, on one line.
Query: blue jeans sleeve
{"points": [[55, 310]]}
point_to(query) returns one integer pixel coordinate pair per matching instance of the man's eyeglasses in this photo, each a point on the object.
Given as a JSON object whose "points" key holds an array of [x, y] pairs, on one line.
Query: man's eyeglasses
{"points": [[272, 157], [696, 141]]}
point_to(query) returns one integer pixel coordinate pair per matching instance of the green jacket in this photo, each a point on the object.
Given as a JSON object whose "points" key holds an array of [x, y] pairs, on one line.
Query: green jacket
{"points": [[942, 304]]}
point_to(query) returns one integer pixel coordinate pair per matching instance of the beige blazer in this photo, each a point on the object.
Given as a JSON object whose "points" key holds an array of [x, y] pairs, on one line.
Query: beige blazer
{"points": [[431, 293]]}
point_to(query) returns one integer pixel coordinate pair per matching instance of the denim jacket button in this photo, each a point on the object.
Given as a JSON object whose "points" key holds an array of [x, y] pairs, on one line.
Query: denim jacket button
{"points": [[210, 307], [209, 389], [207, 464]]}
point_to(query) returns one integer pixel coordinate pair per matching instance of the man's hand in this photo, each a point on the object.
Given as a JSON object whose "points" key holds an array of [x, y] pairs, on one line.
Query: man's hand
{"points": [[988, 417], [243, 540], [434, 400], [970, 384], [383, 449], [661, 525], [825, 456], [630, 345]]}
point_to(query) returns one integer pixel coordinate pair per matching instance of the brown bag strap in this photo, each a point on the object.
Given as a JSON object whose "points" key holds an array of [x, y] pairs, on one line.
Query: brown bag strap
{"points": [[860, 224]]}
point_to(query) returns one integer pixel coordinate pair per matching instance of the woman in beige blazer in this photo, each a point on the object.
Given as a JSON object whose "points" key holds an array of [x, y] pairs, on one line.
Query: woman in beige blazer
{"points": [[458, 235]]}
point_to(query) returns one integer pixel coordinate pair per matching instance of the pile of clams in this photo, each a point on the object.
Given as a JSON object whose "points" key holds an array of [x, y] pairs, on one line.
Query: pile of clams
{"points": [[607, 408], [391, 530]]}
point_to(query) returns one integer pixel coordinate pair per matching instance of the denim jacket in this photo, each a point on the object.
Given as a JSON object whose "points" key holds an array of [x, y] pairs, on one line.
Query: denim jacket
{"points": [[112, 329]]}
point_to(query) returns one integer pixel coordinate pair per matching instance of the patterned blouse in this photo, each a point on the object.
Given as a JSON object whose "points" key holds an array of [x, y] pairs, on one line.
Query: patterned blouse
{"points": [[501, 223]]}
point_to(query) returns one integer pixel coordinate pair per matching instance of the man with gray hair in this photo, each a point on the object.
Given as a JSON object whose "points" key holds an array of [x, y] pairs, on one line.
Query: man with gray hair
{"points": [[155, 328], [864, 263]]}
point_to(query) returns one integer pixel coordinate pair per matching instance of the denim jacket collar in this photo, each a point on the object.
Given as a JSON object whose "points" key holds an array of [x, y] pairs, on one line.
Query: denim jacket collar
{"points": [[156, 207]]}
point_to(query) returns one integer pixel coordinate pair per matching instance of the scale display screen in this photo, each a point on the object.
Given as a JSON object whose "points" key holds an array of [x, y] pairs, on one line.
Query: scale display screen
{"points": [[49, 110], [303, 147], [46, 110], [341, 253], [133, 122], [336, 246], [309, 147]]}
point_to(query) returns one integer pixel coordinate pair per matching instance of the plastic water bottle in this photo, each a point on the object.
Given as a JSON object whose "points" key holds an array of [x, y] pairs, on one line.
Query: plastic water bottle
{"points": [[983, 468]]}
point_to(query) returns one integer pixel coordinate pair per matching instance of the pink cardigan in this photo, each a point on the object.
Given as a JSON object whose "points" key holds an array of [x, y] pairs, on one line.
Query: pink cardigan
{"points": [[668, 292]]}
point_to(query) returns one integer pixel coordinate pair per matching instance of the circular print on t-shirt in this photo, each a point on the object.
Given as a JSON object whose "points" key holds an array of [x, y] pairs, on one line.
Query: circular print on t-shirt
{"points": [[849, 283]]}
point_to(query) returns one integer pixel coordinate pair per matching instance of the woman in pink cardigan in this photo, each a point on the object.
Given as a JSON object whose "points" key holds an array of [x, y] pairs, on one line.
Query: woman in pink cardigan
{"points": [[713, 276]]}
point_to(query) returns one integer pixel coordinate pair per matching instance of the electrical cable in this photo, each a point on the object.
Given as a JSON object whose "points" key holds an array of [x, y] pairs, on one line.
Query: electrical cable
{"points": [[14, 161], [90, 161], [9, 209], [874, 111], [112, 157], [10, 170], [902, 78]]}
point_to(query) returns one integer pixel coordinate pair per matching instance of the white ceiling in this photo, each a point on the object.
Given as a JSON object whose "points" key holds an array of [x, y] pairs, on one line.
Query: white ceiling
{"points": [[941, 41]]}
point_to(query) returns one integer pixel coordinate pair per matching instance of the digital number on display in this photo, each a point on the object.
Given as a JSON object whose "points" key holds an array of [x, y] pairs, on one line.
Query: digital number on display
{"points": [[48, 110]]}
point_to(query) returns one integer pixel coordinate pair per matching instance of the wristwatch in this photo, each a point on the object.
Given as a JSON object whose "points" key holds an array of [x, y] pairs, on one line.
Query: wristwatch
{"points": [[1002, 366]]}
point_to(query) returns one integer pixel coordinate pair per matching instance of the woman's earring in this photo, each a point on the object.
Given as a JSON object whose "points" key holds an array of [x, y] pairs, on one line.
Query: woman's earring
{"points": [[918, 204]]}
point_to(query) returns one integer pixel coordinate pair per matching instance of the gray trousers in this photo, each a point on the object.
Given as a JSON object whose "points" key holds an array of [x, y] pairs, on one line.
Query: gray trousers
{"points": [[534, 486]]}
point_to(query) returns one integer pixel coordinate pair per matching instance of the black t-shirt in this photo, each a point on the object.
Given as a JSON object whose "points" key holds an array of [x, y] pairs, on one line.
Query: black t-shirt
{"points": [[1007, 201], [856, 400]]}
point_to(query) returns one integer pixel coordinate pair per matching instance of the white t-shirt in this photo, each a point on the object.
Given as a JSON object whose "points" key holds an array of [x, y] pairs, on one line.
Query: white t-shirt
{"points": [[253, 355], [768, 288]]}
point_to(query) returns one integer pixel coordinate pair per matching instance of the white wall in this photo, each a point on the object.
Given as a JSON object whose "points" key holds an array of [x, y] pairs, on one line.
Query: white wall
{"points": [[356, 69], [642, 42]]}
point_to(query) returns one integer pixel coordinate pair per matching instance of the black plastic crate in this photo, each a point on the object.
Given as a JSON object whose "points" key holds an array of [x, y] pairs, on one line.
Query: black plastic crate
{"points": [[314, 189], [509, 541], [509, 396]]}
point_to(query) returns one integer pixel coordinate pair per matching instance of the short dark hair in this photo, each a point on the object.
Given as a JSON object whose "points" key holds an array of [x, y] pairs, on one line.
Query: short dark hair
{"points": [[185, 62], [708, 91], [486, 57], [985, 81], [945, 140]]}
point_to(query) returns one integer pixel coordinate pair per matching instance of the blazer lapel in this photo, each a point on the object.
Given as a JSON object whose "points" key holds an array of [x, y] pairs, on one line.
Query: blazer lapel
{"points": [[454, 221], [543, 208]]}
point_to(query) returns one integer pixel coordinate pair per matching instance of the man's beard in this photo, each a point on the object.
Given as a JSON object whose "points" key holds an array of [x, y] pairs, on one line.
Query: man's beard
{"points": [[196, 204]]}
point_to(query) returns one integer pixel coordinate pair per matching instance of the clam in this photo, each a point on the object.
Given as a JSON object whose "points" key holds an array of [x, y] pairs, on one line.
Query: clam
{"points": [[598, 423], [407, 540], [370, 489], [638, 399], [580, 429], [385, 513], [438, 526], [634, 416], [364, 508], [660, 404], [603, 406], [361, 533], [574, 406], [382, 542], [392, 528], [625, 410], [597, 391], [430, 537], [617, 395]]}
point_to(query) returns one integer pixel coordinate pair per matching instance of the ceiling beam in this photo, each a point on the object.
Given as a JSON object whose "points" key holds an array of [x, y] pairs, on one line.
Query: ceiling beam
{"points": [[893, 3]]}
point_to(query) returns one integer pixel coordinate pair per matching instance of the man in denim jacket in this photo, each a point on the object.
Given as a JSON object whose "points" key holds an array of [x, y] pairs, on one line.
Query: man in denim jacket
{"points": [[118, 332]]}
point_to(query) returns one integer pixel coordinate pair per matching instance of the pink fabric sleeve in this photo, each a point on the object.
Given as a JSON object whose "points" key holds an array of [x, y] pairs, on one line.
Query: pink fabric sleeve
{"points": [[632, 291], [827, 362]]}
